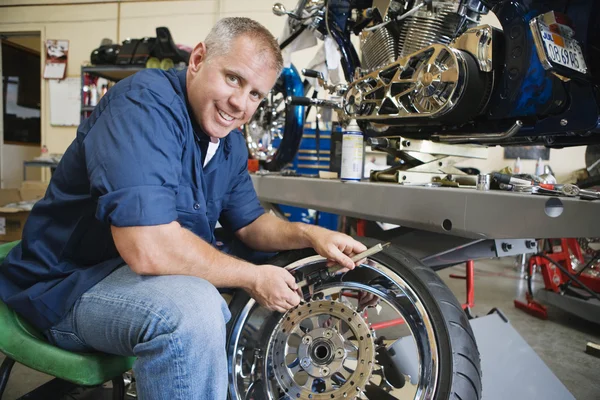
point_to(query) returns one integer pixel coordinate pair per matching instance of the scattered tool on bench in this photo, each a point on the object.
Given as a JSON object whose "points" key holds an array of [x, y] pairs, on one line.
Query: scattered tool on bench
{"points": [[551, 189]]}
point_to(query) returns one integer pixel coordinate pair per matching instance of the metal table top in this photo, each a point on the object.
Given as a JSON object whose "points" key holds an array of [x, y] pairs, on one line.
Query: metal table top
{"points": [[455, 211]]}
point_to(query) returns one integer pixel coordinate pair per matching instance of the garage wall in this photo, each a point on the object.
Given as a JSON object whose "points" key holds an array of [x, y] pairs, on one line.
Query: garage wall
{"points": [[86, 22], [83, 25]]}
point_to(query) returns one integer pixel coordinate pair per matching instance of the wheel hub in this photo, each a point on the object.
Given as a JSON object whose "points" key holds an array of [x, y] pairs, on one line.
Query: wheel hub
{"points": [[322, 352], [317, 362]]}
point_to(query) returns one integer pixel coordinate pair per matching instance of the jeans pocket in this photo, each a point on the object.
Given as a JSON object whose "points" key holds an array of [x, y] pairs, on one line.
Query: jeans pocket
{"points": [[67, 341]]}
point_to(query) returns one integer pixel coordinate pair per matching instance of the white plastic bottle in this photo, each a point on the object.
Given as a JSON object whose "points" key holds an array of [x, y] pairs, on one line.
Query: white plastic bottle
{"points": [[517, 167], [539, 167], [352, 153]]}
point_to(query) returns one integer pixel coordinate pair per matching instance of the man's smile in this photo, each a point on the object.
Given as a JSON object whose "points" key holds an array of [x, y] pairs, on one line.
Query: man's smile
{"points": [[225, 116]]}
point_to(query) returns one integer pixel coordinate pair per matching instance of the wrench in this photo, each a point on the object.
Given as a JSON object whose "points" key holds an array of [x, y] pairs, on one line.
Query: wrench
{"points": [[589, 194]]}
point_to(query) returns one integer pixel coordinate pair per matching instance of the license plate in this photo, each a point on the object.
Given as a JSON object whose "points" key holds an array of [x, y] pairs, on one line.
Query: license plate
{"points": [[563, 51]]}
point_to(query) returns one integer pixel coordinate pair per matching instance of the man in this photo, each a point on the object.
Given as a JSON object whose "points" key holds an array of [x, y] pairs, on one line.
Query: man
{"points": [[118, 258]]}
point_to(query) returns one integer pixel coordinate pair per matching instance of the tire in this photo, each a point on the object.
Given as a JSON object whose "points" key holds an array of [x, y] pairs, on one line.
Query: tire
{"points": [[276, 118], [459, 368]]}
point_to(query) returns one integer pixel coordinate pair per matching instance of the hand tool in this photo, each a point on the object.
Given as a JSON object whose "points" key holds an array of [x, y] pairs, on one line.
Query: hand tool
{"points": [[335, 268], [589, 194], [510, 180], [546, 191], [567, 189]]}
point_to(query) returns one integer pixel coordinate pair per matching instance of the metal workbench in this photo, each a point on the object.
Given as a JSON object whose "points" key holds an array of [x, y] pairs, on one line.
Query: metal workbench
{"points": [[448, 226], [462, 212]]}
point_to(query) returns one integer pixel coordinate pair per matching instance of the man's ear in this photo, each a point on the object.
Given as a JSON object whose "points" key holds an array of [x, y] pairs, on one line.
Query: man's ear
{"points": [[197, 57]]}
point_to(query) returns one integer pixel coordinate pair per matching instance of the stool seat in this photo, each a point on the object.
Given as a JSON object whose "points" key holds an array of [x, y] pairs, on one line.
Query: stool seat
{"points": [[24, 344]]}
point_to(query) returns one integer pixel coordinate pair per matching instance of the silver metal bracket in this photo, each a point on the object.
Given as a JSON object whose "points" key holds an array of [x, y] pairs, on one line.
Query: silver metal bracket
{"points": [[424, 160]]}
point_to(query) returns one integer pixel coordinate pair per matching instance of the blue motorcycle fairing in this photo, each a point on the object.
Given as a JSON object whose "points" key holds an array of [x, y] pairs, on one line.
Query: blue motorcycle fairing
{"points": [[526, 89]]}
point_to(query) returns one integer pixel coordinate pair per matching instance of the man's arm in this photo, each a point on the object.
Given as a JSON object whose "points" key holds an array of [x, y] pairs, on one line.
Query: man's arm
{"points": [[172, 250], [269, 233]]}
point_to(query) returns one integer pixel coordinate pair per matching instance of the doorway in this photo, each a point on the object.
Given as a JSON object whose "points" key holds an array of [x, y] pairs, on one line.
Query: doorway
{"points": [[20, 120]]}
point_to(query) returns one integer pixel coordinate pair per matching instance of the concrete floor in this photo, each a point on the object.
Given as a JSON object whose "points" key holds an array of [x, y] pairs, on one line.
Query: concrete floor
{"points": [[560, 341]]}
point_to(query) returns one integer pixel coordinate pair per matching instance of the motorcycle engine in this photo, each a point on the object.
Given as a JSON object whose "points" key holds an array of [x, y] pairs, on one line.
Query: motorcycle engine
{"points": [[439, 22], [426, 62]]}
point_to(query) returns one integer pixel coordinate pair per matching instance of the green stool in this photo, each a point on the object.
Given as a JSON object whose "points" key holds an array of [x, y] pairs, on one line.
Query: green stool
{"points": [[20, 342]]}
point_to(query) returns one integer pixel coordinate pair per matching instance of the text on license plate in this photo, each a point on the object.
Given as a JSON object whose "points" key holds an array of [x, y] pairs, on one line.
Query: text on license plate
{"points": [[563, 51]]}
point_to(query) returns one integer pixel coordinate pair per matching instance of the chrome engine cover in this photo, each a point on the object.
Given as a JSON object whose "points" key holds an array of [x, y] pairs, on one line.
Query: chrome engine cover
{"points": [[427, 83]]}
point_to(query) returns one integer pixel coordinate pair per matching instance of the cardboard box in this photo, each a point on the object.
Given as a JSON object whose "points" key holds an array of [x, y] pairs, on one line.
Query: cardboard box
{"points": [[14, 208]]}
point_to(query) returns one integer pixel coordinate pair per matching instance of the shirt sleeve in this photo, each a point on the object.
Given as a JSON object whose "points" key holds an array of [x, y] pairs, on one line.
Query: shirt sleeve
{"points": [[243, 206], [133, 157]]}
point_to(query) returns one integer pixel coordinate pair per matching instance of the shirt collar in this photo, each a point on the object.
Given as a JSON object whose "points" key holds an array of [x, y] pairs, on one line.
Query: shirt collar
{"points": [[198, 132]]}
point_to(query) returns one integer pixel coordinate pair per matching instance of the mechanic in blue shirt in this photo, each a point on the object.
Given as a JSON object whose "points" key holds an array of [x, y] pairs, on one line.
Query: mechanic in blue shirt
{"points": [[118, 256]]}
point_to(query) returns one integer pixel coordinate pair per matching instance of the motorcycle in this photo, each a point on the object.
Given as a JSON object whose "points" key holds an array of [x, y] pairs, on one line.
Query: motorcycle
{"points": [[429, 70]]}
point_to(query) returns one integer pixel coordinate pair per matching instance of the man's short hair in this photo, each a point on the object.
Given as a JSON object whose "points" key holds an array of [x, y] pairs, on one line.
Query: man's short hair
{"points": [[226, 30]]}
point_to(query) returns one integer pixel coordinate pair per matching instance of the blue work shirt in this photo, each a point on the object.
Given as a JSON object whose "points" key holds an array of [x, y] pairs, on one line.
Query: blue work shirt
{"points": [[136, 161]]}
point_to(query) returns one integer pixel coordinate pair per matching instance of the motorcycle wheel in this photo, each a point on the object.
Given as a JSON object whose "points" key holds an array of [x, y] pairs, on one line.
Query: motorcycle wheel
{"points": [[273, 121], [335, 345]]}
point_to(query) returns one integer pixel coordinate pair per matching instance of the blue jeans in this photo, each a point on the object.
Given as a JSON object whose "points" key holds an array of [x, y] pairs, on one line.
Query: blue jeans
{"points": [[174, 325]]}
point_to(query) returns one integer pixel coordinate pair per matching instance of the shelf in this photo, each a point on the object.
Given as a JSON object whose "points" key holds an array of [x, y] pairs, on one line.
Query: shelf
{"points": [[112, 72]]}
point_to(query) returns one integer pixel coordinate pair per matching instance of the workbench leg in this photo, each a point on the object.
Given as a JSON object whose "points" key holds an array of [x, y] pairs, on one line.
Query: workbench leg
{"points": [[469, 277], [361, 227]]}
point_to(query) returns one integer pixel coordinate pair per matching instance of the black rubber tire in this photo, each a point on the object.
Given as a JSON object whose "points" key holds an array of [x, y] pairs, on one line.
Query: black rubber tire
{"points": [[460, 366]]}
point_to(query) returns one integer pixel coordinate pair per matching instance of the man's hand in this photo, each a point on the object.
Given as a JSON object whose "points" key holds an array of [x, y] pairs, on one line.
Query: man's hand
{"points": [[335, 246], [274, 288]]}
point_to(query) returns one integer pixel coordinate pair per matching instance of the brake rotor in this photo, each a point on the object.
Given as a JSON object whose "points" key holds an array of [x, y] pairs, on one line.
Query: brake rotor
{"points": [[322, 350]]}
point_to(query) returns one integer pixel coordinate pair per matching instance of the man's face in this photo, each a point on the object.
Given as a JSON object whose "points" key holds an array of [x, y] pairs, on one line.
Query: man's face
{"points": [[225, 90]]}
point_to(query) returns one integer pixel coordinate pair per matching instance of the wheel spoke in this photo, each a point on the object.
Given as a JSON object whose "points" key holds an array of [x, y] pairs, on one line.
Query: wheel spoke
{"points": [[309, 383], [348, 335], [295, 338], [350, 346], [438, 102], [291, 360], [337, 324], [450, 75], [348, 369], [315, 322], [328, 385], [295, 369]]}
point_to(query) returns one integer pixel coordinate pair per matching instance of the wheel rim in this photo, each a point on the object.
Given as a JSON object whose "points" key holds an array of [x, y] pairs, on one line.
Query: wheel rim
{"points": [[326, 348], [266, 126]]}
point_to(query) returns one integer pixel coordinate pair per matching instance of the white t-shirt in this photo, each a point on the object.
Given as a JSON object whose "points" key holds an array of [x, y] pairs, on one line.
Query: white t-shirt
{"points": [[210, 151]]}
